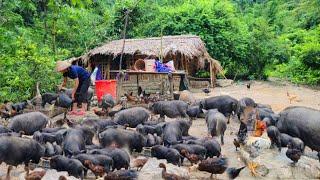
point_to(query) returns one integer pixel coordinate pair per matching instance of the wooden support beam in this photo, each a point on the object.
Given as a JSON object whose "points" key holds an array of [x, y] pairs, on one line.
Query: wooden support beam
{"points": [[170, 77], [119, 85], [108, 67], [186, 65], [212, 75]]}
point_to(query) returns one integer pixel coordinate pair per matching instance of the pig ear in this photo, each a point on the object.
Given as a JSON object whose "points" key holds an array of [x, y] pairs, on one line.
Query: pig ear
{"points": [[150, 105], [205, 111], [164, 125], [29, 102]]}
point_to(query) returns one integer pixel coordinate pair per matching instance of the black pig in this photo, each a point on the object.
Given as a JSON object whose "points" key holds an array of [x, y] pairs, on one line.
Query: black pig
{"points": [[28, 122]]}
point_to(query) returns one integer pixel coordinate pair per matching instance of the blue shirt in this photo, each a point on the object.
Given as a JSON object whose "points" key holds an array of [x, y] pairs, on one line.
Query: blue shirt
{"points": [[77, 72]]}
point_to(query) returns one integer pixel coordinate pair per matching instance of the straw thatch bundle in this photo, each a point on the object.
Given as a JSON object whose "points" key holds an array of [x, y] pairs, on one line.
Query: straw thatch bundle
{"points": [[183, 50]]}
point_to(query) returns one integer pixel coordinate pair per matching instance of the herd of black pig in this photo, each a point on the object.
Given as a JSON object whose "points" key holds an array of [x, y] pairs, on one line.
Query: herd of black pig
{"points": [[67, 149]]}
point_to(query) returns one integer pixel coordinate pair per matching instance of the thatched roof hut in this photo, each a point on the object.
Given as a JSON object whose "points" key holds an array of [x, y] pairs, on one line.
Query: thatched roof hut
{"points": [[187, 51]]}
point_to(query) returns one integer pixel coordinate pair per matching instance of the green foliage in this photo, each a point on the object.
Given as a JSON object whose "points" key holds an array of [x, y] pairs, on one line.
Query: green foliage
{"points": [[310, 55], [203, 74], [253, 39]]}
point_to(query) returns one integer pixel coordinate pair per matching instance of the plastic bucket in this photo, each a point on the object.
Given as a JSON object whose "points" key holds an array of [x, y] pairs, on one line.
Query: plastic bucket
{"points": [[106, 87]]}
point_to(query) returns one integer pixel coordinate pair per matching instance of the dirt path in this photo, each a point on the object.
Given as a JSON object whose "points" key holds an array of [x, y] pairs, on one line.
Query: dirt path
{"points": [[270, 93]]}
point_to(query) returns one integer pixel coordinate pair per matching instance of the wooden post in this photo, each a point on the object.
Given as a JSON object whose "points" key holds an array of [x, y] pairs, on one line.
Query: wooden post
{"points": [[108, 67], [170, 77], [138, 82], [119, 85], [211, 74], [124, 38], [186, 65]]}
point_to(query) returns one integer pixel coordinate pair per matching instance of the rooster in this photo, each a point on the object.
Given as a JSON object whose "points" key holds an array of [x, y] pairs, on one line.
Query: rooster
{"points": [[292, 97], [96, 169], [206, 91], [139, 163], [259, 128], [130, 97], [35, 175], [193, 158], [100, 113], [248, 86], [236, 144], [252, 167]]}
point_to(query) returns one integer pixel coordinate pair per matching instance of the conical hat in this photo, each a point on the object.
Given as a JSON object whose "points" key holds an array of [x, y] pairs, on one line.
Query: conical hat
{"points": [[62, 65]]}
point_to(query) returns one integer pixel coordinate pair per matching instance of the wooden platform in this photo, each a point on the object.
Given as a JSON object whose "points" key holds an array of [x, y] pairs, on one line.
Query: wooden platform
{"points": [[151, 82]]}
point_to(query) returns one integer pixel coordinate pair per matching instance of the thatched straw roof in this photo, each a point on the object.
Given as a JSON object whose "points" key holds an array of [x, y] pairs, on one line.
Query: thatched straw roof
{"points": [[190, 47]]}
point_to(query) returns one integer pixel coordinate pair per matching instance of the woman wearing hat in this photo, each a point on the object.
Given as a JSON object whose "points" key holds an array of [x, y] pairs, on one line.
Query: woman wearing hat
{"points": [[82, 83]]}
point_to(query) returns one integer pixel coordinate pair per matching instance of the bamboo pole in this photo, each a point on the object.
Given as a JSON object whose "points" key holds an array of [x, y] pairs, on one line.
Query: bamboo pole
{"points": [[211, 74], [108, 68], [124, 38], [161, 55]]}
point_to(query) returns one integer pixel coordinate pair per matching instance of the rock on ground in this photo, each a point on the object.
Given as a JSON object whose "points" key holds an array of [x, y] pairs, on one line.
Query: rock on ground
{"points": [[51, 174], [224, 82], [152, 171], [273, 164], [256, 145]]}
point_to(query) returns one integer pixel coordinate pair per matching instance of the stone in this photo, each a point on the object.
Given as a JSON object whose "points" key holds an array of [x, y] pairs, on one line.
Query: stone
{"points": [[51, 174], [256, 145], [224, 82], [151, 170], [187, 97], [273, 164]]}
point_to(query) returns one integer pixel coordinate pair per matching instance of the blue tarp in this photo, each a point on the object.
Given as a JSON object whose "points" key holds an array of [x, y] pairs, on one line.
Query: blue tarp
{"points": [[160, 67]]}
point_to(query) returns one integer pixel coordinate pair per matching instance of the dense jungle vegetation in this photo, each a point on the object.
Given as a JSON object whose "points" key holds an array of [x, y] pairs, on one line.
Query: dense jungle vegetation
{"points": [[253, 39]]}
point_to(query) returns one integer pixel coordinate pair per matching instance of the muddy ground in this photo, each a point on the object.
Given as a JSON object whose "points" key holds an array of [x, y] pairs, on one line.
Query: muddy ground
{"points": [[272, 93]]}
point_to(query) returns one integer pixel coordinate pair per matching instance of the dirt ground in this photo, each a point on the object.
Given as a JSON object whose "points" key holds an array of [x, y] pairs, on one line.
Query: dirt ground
{"points": [[272, 93]]}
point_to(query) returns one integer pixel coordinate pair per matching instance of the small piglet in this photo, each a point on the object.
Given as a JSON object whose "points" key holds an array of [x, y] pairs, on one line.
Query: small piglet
{"points": [[171, 109], [120, 157], [174, 130], [132, 116], [170, 154], [275, 137], [75, 141], [48, 137], [73, 166], [216, 123], [194, 111]]}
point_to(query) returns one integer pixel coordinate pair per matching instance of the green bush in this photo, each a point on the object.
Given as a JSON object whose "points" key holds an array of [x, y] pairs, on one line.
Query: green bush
{"points": [[203, 74], [251, 39], [310, 56]]}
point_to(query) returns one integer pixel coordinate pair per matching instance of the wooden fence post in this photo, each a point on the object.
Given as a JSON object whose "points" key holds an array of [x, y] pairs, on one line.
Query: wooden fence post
{"points": [[170, 77], [119, 85], [212, 76]]}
